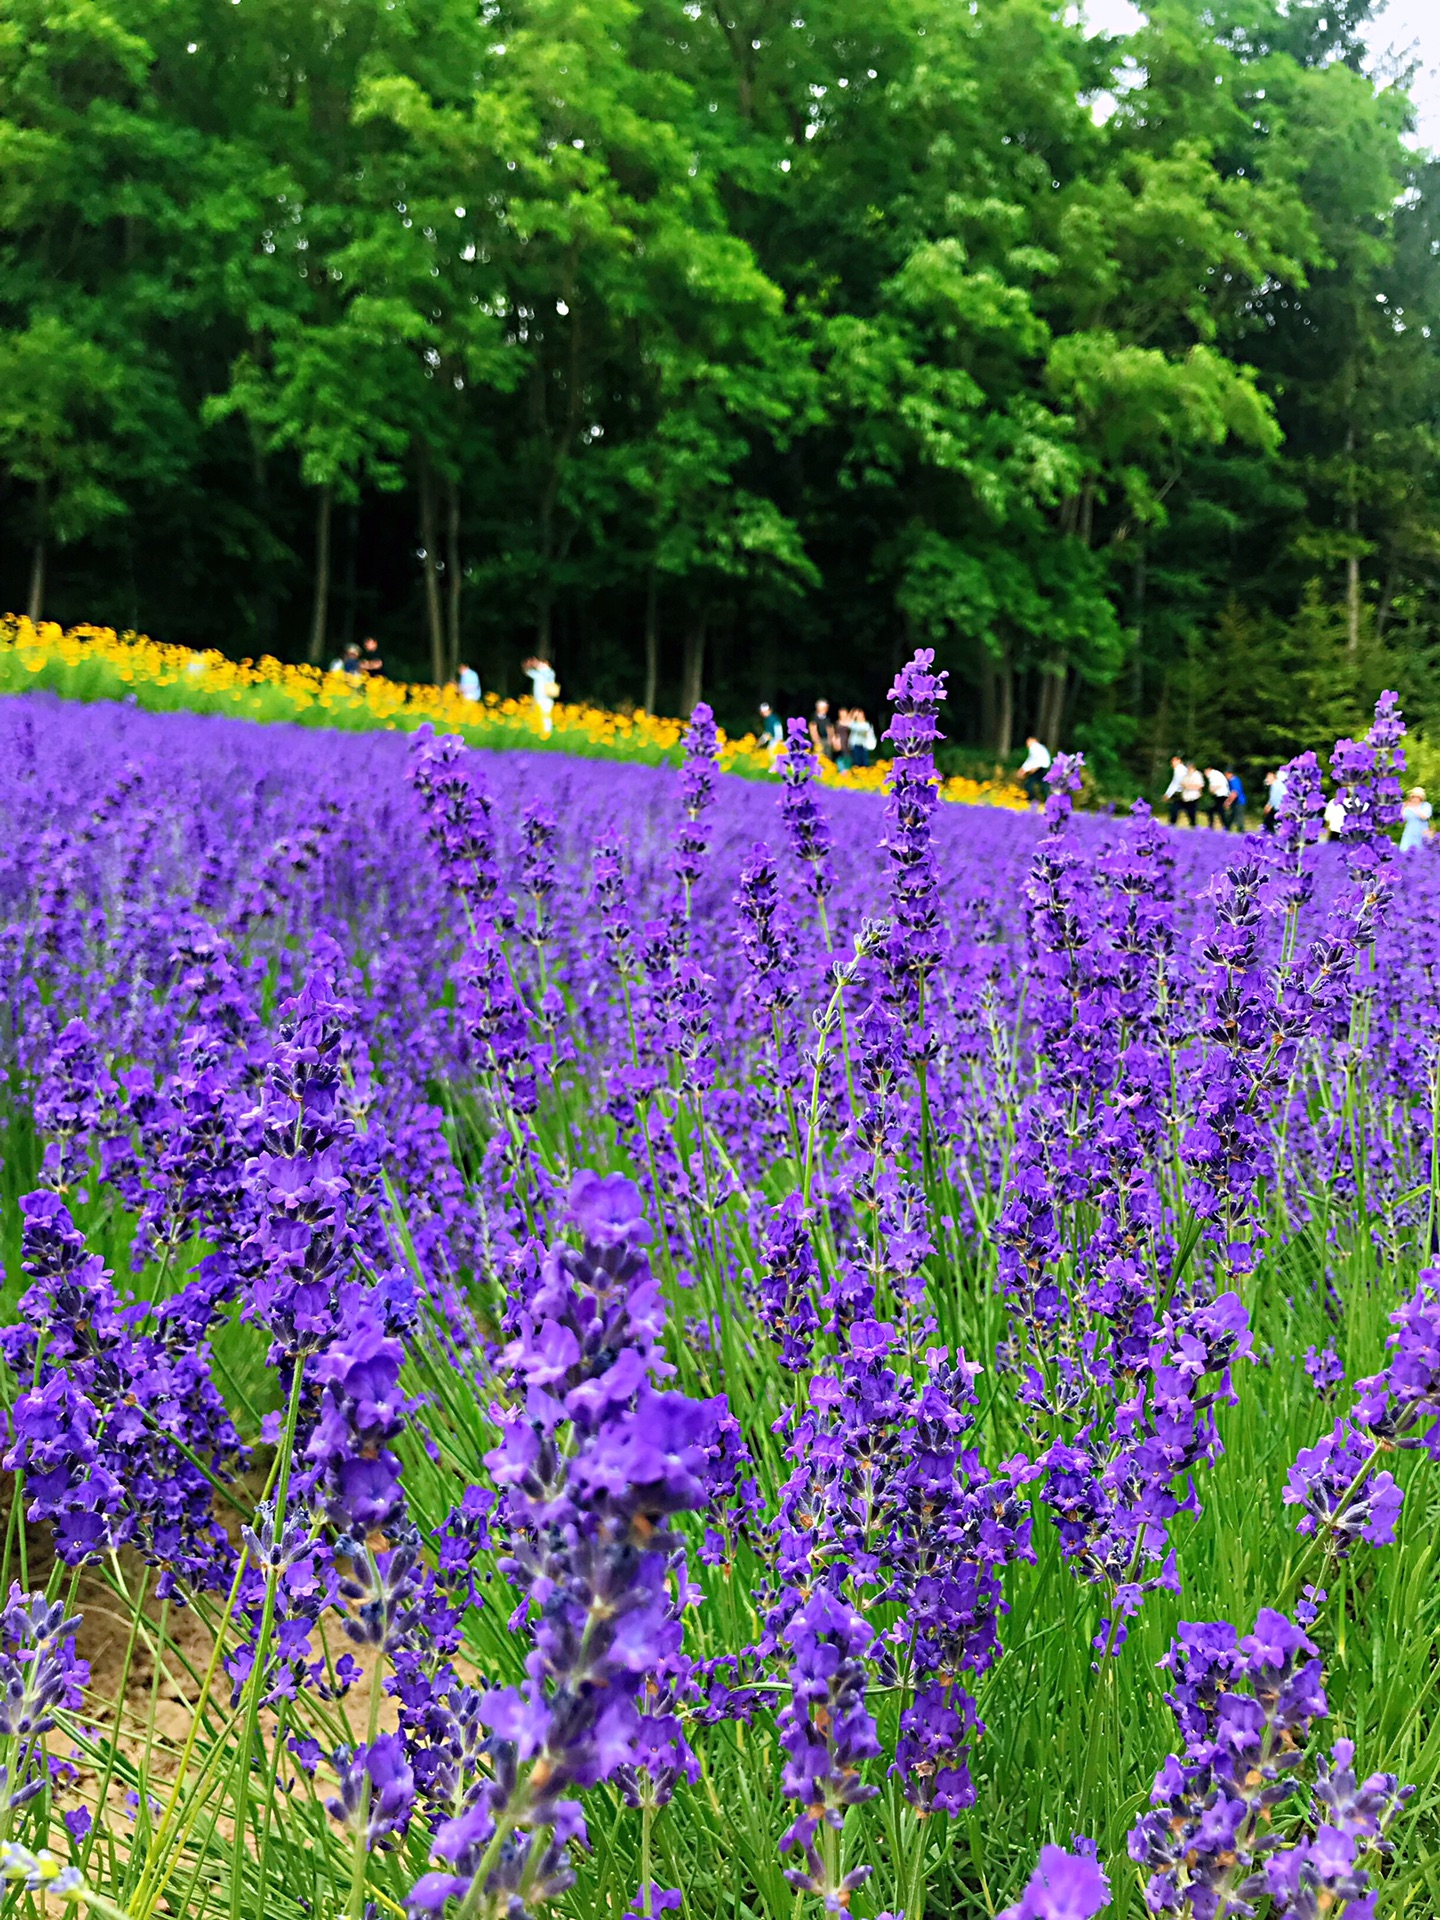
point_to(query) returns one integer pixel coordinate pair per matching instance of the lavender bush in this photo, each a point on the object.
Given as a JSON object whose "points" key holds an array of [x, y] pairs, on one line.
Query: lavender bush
{"points": [[611, 1342]]}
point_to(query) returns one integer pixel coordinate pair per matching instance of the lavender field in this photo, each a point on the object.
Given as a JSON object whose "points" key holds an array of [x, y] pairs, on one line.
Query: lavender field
{"points": [[597, 1341]]}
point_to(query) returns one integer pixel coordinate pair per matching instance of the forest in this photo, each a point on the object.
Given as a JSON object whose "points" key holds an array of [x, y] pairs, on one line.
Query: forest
{"points": [[736, 348]]}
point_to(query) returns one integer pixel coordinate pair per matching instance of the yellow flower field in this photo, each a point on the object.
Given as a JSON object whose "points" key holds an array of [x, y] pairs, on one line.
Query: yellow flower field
{"points": [[95, 663]]}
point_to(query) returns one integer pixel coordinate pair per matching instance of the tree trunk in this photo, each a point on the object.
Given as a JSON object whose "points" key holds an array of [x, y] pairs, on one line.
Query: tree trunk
{"points": [[37, 582], [652, 643], [1160, 740], [989, 706], [430, 542], [1005, 719], [1052, 704], [37, 554], [320, 611], [452, 566], [692, 670], [1086, 527], [1387, 596]]}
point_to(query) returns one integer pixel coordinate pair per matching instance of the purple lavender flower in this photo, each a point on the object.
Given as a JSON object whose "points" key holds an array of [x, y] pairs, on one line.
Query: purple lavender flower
{"points": [[40, 1674], [1216, 1837], [827, 1735], [697, 798], [800, 810], [1392, 1403], [608, 879], [765, 937], [457, 814], [361, 1410], [115, 1431], [653, 1899], [76, 1101], [1325, 1371], [377, 1791], [885, 1482], [787, 1286], [1341, 1498], [913, 947], [1335, 1483], [591, 1464], [1064, 1886]]}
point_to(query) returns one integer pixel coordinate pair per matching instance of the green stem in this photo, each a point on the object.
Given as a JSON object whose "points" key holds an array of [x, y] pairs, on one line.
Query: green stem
{"points": [[262, 1654], [356, 1908]]}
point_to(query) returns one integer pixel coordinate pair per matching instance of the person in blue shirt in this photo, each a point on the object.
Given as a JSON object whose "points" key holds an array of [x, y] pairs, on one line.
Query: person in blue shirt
{"points": [[1235, 805]]}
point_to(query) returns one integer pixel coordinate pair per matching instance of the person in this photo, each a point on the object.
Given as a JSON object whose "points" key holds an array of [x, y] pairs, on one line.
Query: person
{"points": [[1187, 783], [544, 689], [822, 733], [371, 662], [1217, 796], [469, 681], [1334, 818], [862, 738], [1416, 817], [1178, 770], [772, 728], [1033, 769], [1192, 785], [840, 740], [1274, 796], [1235, 809], [351, 664]]}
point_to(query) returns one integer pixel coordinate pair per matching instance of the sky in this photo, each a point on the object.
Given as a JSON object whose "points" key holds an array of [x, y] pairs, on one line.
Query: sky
{"points": [[1399, 27]]}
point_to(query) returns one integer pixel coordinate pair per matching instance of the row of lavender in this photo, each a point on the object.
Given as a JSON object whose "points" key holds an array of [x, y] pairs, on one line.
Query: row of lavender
{"points": [[686, 1346]]}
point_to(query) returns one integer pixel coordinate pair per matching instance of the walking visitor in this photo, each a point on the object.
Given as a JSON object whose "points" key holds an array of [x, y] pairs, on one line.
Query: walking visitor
{"points": [[544, 689], [1217, 797], [1033, 769], [1274, 795], [1187, 783], [1235, 810], [1178, 770], [862, 738]]}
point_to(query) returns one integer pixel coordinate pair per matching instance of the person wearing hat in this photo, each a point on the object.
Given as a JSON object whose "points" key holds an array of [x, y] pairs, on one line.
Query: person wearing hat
{"points": [[1415, 814]]}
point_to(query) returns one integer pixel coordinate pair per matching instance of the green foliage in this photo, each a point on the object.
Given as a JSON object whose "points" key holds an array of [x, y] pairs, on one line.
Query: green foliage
{"points": [[735, 347]]}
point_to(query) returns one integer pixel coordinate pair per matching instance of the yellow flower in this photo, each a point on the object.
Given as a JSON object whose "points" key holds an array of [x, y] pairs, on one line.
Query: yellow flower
{"points": [[137, 661]]}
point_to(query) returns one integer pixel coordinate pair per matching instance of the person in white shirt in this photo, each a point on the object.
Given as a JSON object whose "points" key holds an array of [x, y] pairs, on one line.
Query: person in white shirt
{"points": [[1180, 772], [469, 684], [1034, 768], [544, 689], [1217, 796], [862, 739], [1192, 785]]}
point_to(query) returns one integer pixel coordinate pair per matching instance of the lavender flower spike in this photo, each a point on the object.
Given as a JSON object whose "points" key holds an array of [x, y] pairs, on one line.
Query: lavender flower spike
{"points": [[1064, 1886], [827, 1734]]}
